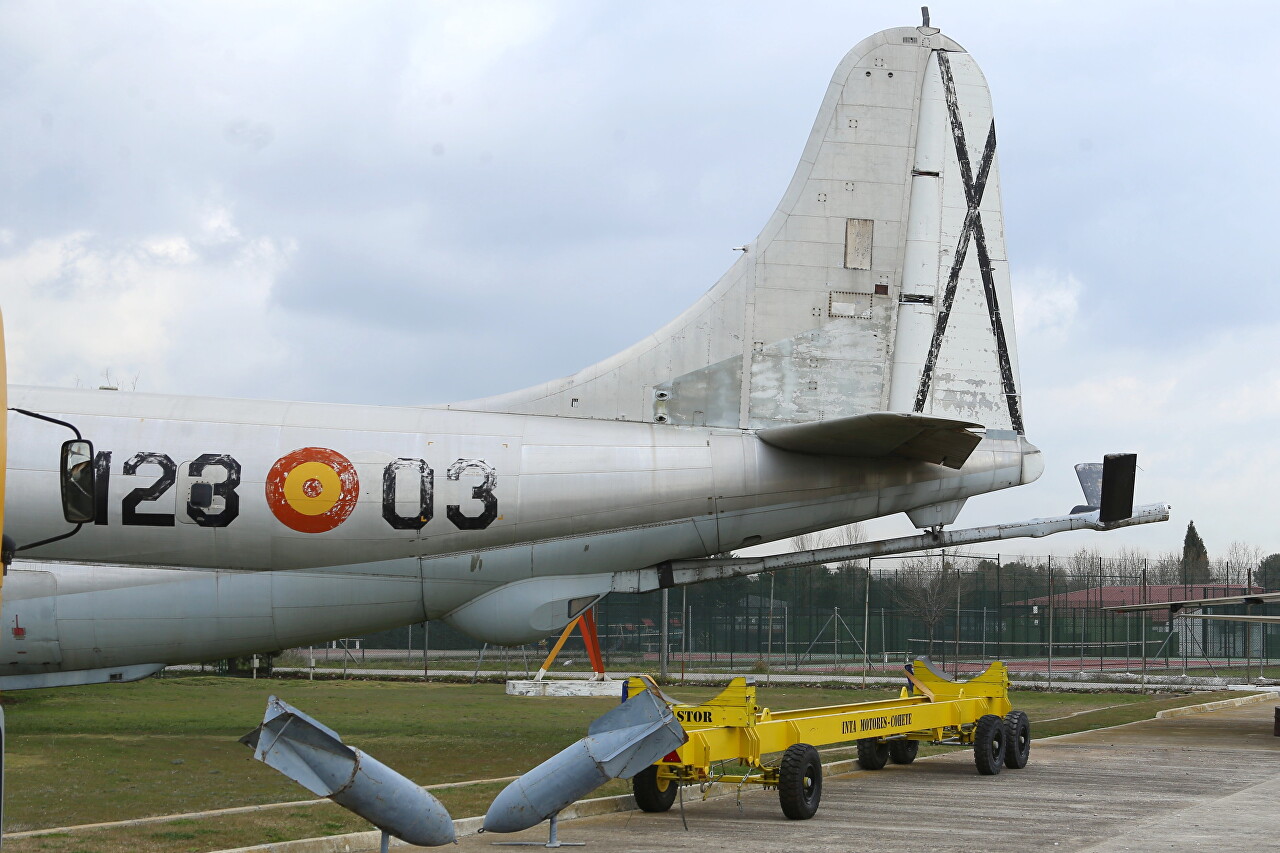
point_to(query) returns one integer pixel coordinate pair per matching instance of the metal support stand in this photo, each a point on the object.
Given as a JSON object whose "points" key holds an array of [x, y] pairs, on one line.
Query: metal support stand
{"points": [[552, 842], [385, 845]]}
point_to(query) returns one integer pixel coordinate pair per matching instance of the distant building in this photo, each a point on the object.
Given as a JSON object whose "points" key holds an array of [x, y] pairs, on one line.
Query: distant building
{"points": [[1097, 597], [1200, 637]]}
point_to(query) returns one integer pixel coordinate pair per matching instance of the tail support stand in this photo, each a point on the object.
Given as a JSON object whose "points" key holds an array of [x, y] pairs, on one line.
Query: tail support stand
{"points": [[586, 623], [591, 639]]}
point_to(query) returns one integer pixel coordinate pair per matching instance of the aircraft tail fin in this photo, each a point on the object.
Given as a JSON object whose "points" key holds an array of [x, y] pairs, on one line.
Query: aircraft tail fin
{"points": [[879, 284]]}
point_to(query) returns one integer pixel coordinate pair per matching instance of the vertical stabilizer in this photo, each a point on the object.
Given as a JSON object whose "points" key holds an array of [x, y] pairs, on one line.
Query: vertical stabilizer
{"points": [[879, 284], [954, 352]]}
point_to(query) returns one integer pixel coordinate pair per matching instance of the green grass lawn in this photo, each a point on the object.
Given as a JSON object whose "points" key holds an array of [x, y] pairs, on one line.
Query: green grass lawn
{"points": [[168, 746]]}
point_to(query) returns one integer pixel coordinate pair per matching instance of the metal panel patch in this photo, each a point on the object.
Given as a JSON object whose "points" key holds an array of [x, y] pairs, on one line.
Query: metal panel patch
{"points": [[857, 243], [845, 304]]}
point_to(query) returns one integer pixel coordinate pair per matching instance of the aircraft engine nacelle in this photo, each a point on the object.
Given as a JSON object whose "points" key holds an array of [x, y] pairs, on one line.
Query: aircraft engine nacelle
{"points": [[529, 610]]}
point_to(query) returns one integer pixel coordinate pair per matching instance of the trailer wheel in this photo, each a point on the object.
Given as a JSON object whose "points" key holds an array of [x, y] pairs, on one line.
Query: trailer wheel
{"points": [[903, 751], [653, 794], [800, 782], [1017, 732], [873, 753], [989, 741]]}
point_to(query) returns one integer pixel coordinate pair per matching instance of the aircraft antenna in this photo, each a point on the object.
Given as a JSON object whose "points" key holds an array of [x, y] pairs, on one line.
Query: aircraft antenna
{"points": [[924, 13]]}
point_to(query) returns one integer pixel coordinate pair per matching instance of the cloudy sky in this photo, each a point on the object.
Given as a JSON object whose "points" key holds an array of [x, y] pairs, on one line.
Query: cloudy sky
{"points": [[414, 203]]}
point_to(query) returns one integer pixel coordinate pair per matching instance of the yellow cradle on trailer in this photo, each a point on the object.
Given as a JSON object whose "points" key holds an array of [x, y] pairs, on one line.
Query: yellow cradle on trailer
{"points": [[732, 730]]}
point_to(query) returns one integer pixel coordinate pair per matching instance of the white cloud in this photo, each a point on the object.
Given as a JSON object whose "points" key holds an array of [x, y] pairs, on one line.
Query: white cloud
{"points": [[217, 226], [1199, 411], [81, 305], [1222, 381], [1045, 303]]}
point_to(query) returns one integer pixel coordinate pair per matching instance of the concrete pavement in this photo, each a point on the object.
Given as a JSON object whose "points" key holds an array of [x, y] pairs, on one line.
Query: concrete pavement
{"points": [[1207, 781]]}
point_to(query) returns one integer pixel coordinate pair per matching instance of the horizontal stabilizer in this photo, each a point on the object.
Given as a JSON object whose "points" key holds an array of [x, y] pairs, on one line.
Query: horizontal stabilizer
{"points": [[938, 440]]}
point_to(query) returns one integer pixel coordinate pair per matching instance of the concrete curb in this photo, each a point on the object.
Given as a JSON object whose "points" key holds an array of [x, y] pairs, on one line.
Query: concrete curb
{"points": [[1188, 710]]}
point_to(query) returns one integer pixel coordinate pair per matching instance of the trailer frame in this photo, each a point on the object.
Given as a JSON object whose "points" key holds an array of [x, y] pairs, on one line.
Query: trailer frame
{"points": [[733, 740]]}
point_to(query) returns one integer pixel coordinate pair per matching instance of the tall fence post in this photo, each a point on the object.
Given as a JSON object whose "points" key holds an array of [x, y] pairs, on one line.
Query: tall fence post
{"points": [[866, 622], [664, 637], [1050, 659]]}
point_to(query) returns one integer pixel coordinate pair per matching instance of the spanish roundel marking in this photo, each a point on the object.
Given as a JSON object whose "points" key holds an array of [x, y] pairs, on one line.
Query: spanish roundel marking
{"points": [[312, 489]]}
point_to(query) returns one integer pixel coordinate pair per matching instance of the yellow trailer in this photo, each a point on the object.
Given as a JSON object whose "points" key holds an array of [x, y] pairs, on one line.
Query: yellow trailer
{"points": [[777, 748]]}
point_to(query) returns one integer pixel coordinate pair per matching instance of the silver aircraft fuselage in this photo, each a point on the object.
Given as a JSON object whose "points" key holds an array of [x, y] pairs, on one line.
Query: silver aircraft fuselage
{"points": [[442, 506]]}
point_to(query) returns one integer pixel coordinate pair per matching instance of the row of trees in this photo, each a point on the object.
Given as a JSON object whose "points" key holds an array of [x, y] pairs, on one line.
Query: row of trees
{"points": [[1191, 565]]}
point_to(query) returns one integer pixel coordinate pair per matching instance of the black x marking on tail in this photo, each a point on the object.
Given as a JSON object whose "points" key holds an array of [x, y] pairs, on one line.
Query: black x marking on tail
{"points": [[972, 232]]}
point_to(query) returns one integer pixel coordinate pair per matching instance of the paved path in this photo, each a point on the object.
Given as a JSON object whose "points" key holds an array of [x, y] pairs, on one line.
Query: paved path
{"points": [[1207, 781]]}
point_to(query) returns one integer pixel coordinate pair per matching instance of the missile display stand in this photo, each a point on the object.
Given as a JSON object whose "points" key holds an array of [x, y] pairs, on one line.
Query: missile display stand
{"points": [[731, 730], [553, 840]]}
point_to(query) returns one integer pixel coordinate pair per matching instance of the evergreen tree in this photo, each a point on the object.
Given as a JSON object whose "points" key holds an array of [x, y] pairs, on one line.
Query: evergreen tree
{"points": [[1195, 557], [1268, 574]]}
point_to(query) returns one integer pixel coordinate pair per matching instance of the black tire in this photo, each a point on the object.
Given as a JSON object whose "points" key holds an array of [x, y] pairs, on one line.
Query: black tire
{"points": [[800, 782], [903, 751], [1017, 732], [873, 754], [989, 745], [650, 797]]}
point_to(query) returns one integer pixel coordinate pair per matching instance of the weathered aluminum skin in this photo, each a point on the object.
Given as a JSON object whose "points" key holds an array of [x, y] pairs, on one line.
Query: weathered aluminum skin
{"points": [[576, 499], [879, 283], [315, 757], [618, 745], [554, 478]]}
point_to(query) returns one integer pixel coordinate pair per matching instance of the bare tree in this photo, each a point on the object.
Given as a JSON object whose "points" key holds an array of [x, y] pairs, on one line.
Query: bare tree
{"points": [[1242, 560], [1084, 563], [1166, 568], [807, 541], [1082, 568], [835, 537], [1129, 560], [847, 534], [926, 587]]}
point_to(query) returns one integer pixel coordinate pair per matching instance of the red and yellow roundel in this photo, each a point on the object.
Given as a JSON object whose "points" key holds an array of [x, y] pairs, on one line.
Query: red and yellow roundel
{"points": [[312, 489]]}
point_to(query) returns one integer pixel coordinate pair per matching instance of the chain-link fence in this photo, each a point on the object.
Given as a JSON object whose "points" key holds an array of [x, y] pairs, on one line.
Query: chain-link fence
{"points": [[1039, 614]]}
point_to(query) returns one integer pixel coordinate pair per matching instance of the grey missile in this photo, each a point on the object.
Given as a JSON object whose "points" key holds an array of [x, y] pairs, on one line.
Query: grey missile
{"points": [[618, 745], [315, 757]]}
